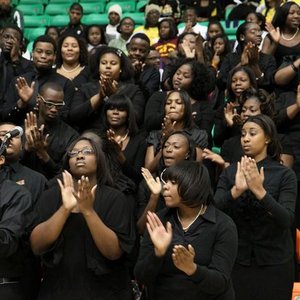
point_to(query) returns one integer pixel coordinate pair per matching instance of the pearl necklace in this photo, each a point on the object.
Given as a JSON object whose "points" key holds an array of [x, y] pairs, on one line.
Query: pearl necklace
{"points": [[201, 212], [291, 38], [72, 70]]}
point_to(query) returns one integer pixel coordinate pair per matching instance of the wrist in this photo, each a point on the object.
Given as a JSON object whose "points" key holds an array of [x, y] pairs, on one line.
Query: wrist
{"points": [[160, 253], [192, 270], [87, 212], [21, 103], [43, 155], [260, 193], [236, 192]]}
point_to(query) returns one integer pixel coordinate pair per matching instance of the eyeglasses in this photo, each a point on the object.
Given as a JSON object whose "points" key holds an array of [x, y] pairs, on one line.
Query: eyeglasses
{"points": [[84, 151], [50, 104]]}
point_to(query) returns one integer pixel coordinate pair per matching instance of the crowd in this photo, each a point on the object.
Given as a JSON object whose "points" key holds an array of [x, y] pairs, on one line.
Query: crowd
{"points": [[151, 162]]}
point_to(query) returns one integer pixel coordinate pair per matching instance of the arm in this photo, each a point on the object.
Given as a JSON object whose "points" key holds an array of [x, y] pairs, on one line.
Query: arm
{"points": [[285, 75], [152, 160], [271, 41]]}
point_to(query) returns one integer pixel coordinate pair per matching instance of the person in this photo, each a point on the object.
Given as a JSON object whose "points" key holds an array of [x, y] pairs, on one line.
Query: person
{"points": [[239, 80], [72, 59], [168, 9], [81, 225], [178, 116], [21, 94], [259, 193], [125, 28], [214, 28], [10, 15], [53, 32], [46, 136], [190, 246], [15, 208], [167, 42], [249, 37], [121, 129], [176, 147], [114, 16], [153, 59], [95, 38], [194, 78], [11, 61], [284, 35], [150, 28], [75, 26], [146, 76], [112, 73]]}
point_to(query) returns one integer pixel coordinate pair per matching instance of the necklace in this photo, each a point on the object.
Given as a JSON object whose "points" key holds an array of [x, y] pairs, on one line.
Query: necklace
{"points": [[292, 37], [201, 212], [72, 70], [124, 137]]}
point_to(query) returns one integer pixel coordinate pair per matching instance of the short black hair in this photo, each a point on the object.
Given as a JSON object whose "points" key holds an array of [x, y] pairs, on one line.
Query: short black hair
{"points": [[103, 36], [51, 85], [122, 102], [141, 36], [121, 23], [45, 39], [193, 181], [173, 28], [15, 27], [77, 6], [83, 53], [127, 70]]}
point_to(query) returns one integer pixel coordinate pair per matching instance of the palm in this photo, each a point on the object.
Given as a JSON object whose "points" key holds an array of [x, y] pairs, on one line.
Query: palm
{"points": [[154, 185], [161, 238]]}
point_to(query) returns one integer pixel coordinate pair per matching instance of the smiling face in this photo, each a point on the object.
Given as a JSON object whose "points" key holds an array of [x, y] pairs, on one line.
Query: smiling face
{"points": [[84, 162], [70, 50], [254, 141], [240, 81], [110, 66], [293, 17], [175, 149], [183, 78]]}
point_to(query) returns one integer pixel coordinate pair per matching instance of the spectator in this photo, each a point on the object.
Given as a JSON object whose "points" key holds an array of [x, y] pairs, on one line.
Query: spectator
{"points": [[114, 16], [53, 32], [10, 15], [95, 38]]}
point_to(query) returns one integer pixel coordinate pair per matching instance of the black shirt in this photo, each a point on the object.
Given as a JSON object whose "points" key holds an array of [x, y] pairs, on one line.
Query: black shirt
{"points": [[264, 227], [214, 238]]}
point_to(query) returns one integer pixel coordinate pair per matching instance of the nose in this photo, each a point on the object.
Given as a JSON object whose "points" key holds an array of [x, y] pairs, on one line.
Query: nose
{"points": [[169, 148]]}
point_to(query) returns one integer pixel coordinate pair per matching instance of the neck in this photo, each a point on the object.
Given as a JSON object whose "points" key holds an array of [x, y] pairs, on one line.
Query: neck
{"points": [[179, 125], [186, 212], [125, 36], [92, 180], [121, 131], [260, 157], [70, 65], [290, 30]]}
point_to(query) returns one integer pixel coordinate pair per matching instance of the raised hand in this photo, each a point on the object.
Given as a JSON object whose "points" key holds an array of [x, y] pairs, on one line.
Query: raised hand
{"points": [[274, 33], [245, 56], [253, 54], [168, 127], [67, 191], [15, 50], [161, 237], [240, 180], [230, 112], [85, 195], [214, 157], [30, 126], [153, 184], [183, 259], [187, 50], [25, 92]]}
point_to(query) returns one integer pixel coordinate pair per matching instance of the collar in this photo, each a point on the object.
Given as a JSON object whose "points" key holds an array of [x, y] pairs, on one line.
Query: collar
{"points": [[210, 213]]}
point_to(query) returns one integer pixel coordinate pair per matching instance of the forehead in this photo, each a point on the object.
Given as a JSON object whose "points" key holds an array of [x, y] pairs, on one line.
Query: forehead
{"points": [[240, 74], [174, 95], [252, 125], [94, 29], [126, 22], [185, 68], [110, 56], [252, 26], [189, 37], [219, 40], [70, 39], [214, 27], [251, 102], [178, 138], [12, 31], [294, 7], [44, 45], [138, 42], [6, 127], [75, 11], [82, 144], [53, 95]]}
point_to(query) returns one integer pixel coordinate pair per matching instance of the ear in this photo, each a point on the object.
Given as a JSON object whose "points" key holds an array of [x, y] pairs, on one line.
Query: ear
{"points": [[2, 160], [187, 156], [242, 37]]}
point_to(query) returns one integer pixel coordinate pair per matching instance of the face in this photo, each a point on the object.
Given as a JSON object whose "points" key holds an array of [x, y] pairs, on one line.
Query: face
{"points": [[190, 16], [175, 149], [10, 37], [252, 18], [153, 59], [174, 107], [75, 16], [219, 45], [240, 82], [84, 160], [114, 18], [183, 78], [251, 107], [14, 148], [70, 50], [5, 5], [94, 36], [127, 27], [171, 195], [293, 17], [138, 49], [110, 66], [43, 55], [254, 141], [164, 30], [53, 33], [190, 40], [116, 117], [253, 34], [153, 17], [213, 30], [50, 104]]}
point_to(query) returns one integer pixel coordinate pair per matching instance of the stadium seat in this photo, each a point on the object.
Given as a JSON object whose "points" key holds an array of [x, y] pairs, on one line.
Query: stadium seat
{"points": [[57, 9], [141, 4], [33, 2], [36, 21], [29, 47], [59, 20], [138, 17], [128, 6], [93, 8], [69, 2], [31, 9], [32, 33], [230, 27], [97, 19]]}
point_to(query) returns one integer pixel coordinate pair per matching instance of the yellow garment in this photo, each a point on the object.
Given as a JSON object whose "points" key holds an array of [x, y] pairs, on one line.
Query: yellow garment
{"points": [[151, 32]]}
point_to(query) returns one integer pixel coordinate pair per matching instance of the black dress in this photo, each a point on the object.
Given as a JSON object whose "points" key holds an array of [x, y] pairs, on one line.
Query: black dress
{"points": [[74, 267]]}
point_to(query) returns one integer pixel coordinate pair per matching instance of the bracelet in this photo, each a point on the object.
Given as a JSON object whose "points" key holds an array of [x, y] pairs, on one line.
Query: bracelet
{"points": [[261, 76], [295, 69]]}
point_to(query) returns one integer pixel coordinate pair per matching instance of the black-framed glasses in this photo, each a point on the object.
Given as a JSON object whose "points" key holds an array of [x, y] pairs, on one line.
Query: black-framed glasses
{"points": [[50, 104], [84, 151]]}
